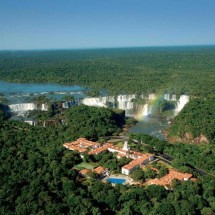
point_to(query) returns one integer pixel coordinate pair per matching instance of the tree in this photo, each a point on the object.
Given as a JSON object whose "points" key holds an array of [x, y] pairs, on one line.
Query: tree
{"points": [[3, 114], [150, 173], [162, 171], [207, 211], [155, 191], [138, 175], [164, 208], [68, 98]]}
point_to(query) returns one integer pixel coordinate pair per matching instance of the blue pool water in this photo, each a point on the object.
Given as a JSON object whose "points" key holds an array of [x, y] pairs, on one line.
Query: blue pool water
{"points": [[116, 180]]}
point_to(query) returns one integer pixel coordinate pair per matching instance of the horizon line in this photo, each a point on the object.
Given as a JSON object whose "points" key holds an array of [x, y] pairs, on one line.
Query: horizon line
{"points": [[114, 47]]}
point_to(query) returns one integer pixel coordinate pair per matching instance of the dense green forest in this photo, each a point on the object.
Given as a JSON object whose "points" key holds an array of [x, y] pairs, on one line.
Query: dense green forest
{"points": [[133, 70], [201, 156], [36, 174], [2, 113], [36, 177], [93, 122], [195, 120]]}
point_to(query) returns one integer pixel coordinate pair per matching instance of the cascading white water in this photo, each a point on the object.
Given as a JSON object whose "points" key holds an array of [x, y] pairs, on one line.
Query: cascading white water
{"points": [[30, 122], [23, 107], [65, 105], [173, 97], [152, 96], [126, 103], [44, 107], [110, 99], [184, 99], [147, 110], [166, 97], [123, 101], [68, 104], [97, 101]]}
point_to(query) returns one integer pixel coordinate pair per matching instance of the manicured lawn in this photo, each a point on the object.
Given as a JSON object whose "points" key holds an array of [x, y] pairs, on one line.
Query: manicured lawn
{"points": [[165, 164], [85, 165], [120, 144], [114, 140]]}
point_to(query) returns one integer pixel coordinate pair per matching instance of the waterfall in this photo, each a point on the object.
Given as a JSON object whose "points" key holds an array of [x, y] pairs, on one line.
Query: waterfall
{"points": [[23, 107], [147, 110], [184, 99], [125, 102], [125, 105], [138, 110], [173, 97], [97, 101], [65, 105], [30, 122], [110, 99], [122, 102], [44, 107], [68, 104], [152, 96], [166, 97]]}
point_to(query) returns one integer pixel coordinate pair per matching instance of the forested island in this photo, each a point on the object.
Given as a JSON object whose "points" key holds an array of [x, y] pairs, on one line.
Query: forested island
{"points": [[39, 176]]}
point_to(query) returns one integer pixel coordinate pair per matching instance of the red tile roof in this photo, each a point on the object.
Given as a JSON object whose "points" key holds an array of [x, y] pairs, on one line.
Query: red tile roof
{"points": [[81, 145], [167, 179], [84, 171], [99, 170], [100, 149], [137, 162], [135, 155], [117, 149]]}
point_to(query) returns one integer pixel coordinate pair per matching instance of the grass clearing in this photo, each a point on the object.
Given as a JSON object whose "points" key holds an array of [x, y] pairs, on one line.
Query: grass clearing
{"points": [[162, 163], [114, 140], [120, 144], [85, 165]]}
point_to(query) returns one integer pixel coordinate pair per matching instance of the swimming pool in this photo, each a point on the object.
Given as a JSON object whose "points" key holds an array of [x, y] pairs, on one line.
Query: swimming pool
{"points": [[116, 180]]}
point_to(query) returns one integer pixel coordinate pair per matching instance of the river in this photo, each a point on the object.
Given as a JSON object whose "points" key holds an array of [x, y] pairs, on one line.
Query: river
{"points": [[20, 92], [151, 125], [23, 92]]}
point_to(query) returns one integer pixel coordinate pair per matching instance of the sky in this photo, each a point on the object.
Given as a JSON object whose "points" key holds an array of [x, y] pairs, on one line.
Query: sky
{"points": [[72, 24]]}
